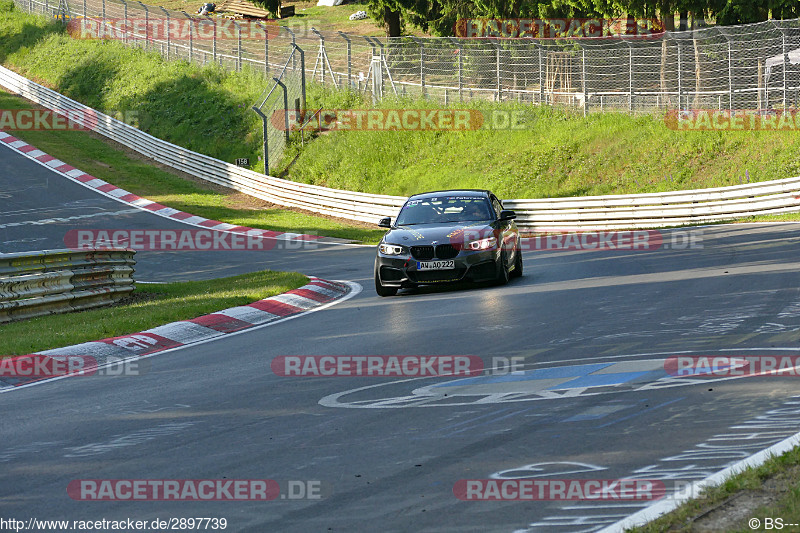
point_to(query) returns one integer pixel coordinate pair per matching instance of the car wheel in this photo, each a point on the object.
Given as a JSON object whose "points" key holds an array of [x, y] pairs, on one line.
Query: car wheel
{"points": [[502, 271], [517, 272], [380, 288]]}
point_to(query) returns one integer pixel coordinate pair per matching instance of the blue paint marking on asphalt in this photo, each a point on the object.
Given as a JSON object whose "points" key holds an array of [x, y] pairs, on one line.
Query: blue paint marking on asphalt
{"points": [[599, 380], [641, 412], [531, 375]]}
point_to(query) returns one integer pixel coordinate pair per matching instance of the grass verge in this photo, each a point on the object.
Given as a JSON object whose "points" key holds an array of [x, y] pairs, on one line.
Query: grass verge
{"points": [[771, 490], [148, 307]]}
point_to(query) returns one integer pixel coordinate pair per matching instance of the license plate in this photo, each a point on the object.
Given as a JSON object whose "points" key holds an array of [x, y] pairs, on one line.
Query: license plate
{"points": [[436, 265]]}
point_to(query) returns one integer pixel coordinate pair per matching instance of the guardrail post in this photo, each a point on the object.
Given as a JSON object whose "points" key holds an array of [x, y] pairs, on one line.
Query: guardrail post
{"points": [[349, 62], [167, 30]]}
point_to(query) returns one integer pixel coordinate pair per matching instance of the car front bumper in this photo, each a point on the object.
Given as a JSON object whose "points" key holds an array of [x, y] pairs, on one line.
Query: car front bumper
{"points": [[401, 271]]}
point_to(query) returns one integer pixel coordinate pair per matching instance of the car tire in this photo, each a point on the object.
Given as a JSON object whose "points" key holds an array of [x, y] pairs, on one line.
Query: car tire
{"points": [[502, 271], [380, 288], [517, 272]]}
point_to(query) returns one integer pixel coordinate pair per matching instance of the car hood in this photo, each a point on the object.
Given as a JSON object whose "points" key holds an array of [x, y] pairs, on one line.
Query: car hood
{"points": [[441, 233]]}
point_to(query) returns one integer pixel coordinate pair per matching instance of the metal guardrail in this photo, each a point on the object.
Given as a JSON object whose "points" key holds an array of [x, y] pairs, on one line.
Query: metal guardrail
{"points": [[57, 281], [591, 212]]}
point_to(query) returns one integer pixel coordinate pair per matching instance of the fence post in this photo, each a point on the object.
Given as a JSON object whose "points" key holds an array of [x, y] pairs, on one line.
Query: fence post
{"points": [[294, 43], [630, 77], [146, 24], [730, 75], [266, 47], [239, 47], [583, 82], [497, 63], [84, 7], [541, 78], [421, 65], [680, 74], [213, 41], [349, 62], [266, 136], [302, 74], [321, 54], [285, 108], [125, 34], [166, 30], [785, 64], [460, 67], [191, 40]]}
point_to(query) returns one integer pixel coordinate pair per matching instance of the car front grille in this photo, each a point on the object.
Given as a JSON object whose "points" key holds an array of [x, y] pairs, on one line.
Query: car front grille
{"points": [[446, 251], [422, 253], [427, 252]]}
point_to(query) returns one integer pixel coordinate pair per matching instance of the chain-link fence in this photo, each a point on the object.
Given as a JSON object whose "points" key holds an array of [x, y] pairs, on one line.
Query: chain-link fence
{"points": [[754, 66]]}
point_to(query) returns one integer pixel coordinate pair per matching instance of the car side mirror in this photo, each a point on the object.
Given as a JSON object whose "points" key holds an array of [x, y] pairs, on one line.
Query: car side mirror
{"points": [[507, 214], [385, 222]]}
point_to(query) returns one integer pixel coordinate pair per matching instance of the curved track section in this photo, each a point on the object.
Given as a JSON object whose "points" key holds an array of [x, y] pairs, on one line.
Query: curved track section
{"points": [[592, 329]]}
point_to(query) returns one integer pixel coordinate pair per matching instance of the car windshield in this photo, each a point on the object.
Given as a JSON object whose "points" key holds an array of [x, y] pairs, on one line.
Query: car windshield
{"points": [[444, 209]]}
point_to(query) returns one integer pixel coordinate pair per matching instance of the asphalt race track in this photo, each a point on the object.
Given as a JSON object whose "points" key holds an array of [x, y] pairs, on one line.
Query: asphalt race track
{"points": [[592, 329]]}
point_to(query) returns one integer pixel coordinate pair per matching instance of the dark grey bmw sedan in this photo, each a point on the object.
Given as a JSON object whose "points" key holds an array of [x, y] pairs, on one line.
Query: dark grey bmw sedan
{"points": [[448, 236]]}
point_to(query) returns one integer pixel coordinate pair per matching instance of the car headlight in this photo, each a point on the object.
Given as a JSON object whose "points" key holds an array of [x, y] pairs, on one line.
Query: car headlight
{"points": [[391, 249], [482, 244]]}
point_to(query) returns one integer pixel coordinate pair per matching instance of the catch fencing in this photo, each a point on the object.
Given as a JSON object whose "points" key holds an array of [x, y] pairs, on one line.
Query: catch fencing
{"points": [[754, 66], [546, 214], [56, 281]]}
